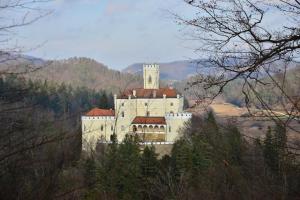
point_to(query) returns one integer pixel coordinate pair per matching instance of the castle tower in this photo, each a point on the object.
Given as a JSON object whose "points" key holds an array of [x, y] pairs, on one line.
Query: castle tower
{"points": [[151, 76]]}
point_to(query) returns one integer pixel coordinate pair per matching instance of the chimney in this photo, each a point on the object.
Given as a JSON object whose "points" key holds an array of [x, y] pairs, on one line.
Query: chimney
{"points": [[178, 96], [134, 93], [129, 96], [164, 95]]}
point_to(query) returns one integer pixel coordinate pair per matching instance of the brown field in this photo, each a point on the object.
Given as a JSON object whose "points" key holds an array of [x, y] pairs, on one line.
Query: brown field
{"points": [[227, 109], [251, 127]]}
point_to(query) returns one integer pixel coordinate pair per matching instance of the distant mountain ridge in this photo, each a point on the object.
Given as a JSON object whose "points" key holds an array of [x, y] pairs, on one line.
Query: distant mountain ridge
{"points": [[184, 69], [176, 70]]}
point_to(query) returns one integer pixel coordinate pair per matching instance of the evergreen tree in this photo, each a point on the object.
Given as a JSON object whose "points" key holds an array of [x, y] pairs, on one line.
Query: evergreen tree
{"points": [[104, 100], [149, 162], [271, 152], [235, 145]]}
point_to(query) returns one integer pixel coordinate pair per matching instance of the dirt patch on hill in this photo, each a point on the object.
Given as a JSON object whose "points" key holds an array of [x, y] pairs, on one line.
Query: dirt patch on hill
{"points": [[227, 109]]}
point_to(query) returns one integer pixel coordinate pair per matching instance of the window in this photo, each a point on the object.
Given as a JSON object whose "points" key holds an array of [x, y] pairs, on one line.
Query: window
{"points": [[134, 128], [150, 80], [169, 128], [171, 104], [101, 128], [112, 128], [122, 104], [122, 114], [146, 104], [148, 113], [122, 128]]}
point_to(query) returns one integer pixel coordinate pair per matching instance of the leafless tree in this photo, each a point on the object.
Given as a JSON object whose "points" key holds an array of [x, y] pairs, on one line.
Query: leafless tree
{"points": [[242, 44], [14, 15]]}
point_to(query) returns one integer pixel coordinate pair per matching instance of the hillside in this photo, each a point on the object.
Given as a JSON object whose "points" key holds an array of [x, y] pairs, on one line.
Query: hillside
{"points": [[78, 72], [232, 91], [184, 69]]}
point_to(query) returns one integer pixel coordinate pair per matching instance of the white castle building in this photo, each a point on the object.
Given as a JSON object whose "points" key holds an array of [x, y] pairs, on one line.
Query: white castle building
{"points": [[154, 114]]}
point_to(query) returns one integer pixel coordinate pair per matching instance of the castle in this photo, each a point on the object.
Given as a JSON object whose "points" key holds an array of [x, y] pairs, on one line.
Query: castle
{"points": [[155, 114]]}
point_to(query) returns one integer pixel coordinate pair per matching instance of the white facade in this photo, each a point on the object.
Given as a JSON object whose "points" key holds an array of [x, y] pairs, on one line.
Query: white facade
{"points": [[154, 114]]}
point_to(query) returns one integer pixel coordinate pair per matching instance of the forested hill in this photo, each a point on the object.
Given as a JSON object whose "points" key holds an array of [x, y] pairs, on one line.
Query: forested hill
{"points": [[86, 72], [78, 72]]}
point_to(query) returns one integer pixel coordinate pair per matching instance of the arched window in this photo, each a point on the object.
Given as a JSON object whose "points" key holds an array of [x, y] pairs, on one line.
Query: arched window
{"points": [[150, 128], [134, 128], [122, 114], [171, 104], [162, 129], [145, 128], [101, 128], [150, 80], [112, 128], [140, 128]]}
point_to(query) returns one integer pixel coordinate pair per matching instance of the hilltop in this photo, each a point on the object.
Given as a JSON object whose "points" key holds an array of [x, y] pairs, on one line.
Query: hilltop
{"points": [[76, 71]]}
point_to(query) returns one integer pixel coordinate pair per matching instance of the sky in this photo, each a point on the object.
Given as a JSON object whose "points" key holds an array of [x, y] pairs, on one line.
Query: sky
{"points": [[114, 32]]}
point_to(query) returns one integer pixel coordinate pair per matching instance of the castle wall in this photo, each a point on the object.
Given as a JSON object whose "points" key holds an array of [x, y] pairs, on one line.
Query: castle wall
{"points": [[125, 110], [174, 123], [157, 107], [95, 129]]}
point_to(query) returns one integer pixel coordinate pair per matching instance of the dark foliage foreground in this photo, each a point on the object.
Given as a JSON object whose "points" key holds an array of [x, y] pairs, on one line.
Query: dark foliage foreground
{"points": [[210, 161]]}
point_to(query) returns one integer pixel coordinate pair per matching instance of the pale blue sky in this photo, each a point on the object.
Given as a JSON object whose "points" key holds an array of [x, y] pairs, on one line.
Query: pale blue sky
{"points": [[114, 32]]}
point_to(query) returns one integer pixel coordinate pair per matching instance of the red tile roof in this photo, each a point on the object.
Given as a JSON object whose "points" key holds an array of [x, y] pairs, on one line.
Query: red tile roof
{"points": [[100, 112], [149, 120], [150, 93]]}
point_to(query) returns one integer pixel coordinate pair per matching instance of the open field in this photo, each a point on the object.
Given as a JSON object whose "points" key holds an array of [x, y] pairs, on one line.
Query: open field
{"points": [[253, 126]]}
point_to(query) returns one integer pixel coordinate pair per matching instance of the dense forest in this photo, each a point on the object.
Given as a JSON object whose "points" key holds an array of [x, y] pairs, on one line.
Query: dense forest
{"points": [[40, 133], [41, 154]]}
